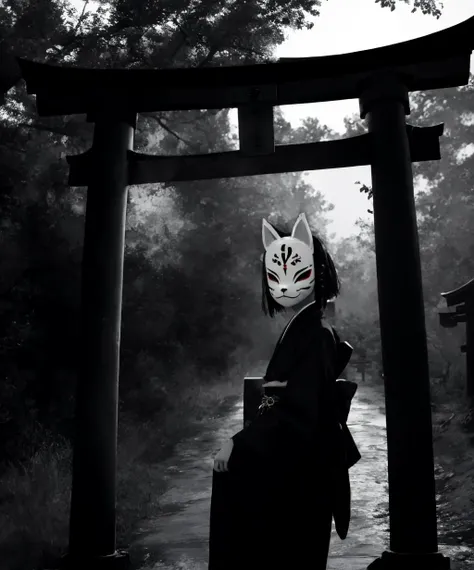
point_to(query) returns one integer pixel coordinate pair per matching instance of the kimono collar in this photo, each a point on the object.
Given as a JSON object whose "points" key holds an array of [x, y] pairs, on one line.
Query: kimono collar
{"points": [[300, 313]]}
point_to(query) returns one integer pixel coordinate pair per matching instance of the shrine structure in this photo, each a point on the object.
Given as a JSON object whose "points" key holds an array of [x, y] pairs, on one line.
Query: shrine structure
{"points": [[462, 301]]}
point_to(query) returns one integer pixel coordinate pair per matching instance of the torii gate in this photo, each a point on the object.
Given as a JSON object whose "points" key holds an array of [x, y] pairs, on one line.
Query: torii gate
{"points": [[381, 79]]}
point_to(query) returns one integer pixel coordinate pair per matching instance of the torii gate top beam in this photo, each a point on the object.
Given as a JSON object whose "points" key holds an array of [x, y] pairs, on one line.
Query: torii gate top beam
{"points": [[460, 295], [430, 62]]}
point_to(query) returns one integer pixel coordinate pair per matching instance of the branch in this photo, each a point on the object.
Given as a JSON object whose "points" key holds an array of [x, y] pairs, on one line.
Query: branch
{"points": [[448, 421], [171, 132], [248, 49], [102, 34], [164, 126], [210, 55], [181, 29], [60, 49], [174, 44], [81, 18]]}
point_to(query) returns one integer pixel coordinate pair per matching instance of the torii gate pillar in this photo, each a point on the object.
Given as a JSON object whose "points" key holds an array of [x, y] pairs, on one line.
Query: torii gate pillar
{"points": [[412, 503], [92, 538]]}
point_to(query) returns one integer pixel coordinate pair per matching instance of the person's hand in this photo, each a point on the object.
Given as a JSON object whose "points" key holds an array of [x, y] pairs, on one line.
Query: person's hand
{"points": [[275, 383], [221, 460]]}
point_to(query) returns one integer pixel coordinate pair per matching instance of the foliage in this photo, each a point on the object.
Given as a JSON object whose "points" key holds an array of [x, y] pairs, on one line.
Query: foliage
{"points": [[357, 307], [431, 7]]}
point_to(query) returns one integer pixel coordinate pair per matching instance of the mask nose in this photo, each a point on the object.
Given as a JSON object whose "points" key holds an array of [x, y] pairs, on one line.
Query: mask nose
{"points": [[284, 289]]}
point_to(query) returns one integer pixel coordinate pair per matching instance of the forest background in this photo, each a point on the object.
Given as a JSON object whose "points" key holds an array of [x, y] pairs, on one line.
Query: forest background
{"points": [[192, 325]]}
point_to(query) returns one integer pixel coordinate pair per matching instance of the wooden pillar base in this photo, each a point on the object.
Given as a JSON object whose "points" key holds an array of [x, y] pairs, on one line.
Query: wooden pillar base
{"points": [[396, 561]]}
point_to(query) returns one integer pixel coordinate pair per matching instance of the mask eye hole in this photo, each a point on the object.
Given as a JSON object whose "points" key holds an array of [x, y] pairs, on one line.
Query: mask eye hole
{"points": [[304, 276], [272, 278]]}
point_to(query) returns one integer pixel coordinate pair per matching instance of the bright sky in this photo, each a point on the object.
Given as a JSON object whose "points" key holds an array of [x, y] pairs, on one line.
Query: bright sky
{"points": [[345, 26]]}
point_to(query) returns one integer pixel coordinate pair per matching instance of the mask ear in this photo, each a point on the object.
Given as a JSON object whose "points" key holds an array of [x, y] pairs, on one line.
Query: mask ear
{"points": [[269, 234], [302, 231]]}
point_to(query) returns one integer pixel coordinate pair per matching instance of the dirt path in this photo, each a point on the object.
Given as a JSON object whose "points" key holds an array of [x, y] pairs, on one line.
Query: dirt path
{"points": [[177, 538]]}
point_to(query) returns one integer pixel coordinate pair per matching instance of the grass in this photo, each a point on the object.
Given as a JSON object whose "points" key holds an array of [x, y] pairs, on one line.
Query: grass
{"points": [[454, 452], [35, 502], [35, 496]]}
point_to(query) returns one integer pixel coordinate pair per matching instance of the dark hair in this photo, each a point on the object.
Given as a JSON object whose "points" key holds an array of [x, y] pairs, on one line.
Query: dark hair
{"points": [[330, 280]]}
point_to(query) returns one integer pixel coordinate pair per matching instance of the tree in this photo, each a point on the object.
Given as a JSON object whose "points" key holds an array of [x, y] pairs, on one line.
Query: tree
{"points": [[356, 307]]}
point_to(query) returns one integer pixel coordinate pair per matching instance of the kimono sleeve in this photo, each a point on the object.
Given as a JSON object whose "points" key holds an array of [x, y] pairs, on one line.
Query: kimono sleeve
{"points": [[295, 423]]}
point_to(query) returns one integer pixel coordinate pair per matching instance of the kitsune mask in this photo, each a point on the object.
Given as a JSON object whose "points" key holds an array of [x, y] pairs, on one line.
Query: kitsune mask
{"points": [[289, 262]]}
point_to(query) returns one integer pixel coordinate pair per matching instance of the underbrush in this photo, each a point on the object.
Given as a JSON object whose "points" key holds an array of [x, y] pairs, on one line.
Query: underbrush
{"points": [[454, 453], [35, 496], [35, 501], [454, 469]]}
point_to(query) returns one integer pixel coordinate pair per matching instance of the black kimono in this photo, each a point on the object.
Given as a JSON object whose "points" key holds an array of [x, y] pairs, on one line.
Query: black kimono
{"points": [[288, 471]]}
